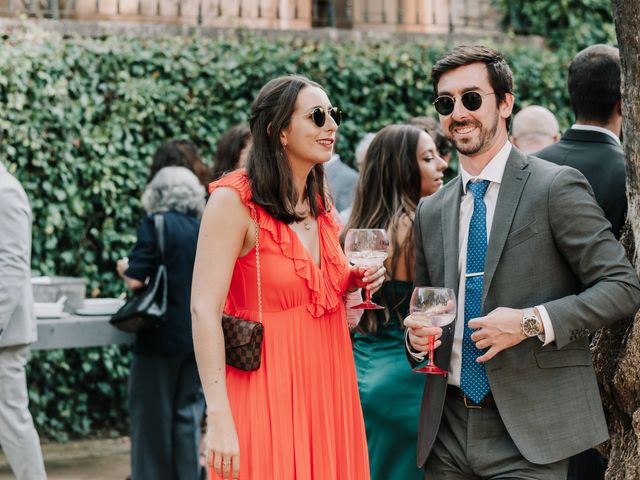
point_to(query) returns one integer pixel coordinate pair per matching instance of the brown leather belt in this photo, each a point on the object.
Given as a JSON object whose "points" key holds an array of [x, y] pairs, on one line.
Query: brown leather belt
{"points": [[457, 394]]}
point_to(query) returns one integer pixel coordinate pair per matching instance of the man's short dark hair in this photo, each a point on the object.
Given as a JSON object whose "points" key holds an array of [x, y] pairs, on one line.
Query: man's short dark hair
{"points": [[594, 83], [500, 75]]}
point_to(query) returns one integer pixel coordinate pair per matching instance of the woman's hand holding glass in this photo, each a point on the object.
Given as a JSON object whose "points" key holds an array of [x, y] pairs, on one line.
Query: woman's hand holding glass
{"points": [[366, 250], [369, 278]]}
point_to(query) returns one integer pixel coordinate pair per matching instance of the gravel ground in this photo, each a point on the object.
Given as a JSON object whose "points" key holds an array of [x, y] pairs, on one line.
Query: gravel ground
{"points": [[85, 460]]}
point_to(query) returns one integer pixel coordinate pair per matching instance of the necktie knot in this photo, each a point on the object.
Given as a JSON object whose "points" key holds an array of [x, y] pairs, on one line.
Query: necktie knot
{"points": [[478, 189]]}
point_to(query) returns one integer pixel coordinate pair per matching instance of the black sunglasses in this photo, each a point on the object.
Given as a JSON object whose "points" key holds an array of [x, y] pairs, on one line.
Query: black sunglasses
{"points": [[472, 101], [319, 115]]}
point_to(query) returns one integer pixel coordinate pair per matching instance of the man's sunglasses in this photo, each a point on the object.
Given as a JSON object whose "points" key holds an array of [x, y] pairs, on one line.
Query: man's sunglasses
{"points": [[472, 101], [319, 115]]}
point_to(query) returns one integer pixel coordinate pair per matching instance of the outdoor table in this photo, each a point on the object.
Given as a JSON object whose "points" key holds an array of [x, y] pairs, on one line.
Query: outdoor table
{"points": [[78, 331]]}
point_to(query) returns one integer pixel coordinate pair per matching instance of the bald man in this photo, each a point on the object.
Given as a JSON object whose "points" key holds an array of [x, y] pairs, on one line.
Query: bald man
{"points": [[534, 128]]}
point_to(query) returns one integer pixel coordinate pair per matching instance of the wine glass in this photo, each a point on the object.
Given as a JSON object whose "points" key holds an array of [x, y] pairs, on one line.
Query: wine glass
{"points": [[366, 247], [432, 307]]}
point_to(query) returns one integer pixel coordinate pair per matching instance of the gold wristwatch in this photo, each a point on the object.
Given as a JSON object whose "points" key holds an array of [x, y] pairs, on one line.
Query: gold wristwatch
{"points": [[531, 324]]}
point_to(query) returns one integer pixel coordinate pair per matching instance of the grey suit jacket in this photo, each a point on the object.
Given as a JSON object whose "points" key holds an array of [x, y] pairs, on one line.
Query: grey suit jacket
{"points": [[17, 321], [342, 181], [551, 246]]}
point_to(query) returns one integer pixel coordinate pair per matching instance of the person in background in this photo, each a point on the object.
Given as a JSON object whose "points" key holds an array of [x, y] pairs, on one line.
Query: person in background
{"points": [[18, 437], [298, 415], [533, 128], [361, 153], [402, 165], [592, 144], [362, 147], [166, 402], [433, 128], [232, 150], [341, 180], [179, 153]]}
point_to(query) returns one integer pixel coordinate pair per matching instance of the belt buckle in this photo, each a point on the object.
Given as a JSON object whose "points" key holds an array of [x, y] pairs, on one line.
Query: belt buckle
{"points": [[469, 405]]}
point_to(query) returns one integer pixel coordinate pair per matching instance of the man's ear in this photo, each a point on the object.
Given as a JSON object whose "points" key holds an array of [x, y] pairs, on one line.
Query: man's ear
{"points": [[506, 106]]}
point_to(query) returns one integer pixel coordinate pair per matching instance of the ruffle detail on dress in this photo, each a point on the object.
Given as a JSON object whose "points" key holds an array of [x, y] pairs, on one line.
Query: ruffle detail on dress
{"points": [[326, 285], [239, 181]]}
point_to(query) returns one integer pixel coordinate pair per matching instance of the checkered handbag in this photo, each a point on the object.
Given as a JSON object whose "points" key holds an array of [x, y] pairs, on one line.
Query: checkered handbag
{"points": [[243, 338], [242, 342]]}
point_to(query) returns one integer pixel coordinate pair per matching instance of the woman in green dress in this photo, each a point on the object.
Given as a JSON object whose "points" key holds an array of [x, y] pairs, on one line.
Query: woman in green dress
{"points": [[401, 165]]}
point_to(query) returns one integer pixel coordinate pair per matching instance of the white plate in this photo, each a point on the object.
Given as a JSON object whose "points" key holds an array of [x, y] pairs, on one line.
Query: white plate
{"points": [[48, 309], [100, 306]]}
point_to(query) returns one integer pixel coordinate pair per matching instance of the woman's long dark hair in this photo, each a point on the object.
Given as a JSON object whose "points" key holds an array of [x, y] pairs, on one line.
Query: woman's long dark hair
{"points": [[231, 143], [267, 166], [388, 191]]}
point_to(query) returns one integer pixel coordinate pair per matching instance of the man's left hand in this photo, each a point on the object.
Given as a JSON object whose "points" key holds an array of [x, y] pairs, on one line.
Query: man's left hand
{"points": [[499, 330]]}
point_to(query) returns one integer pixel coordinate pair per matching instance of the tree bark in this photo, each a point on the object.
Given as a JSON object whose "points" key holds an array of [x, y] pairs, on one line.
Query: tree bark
{"points": [[617, 349]]}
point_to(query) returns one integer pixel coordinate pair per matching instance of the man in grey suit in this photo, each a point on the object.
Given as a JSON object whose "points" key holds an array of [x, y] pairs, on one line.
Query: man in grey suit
{"points": [[535, 268], [18, 436], [592, 144], [342, 181]]}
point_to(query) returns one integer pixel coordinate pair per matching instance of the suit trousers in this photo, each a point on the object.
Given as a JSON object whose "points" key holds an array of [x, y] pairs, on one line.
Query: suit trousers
{"points": [[18, 436], [166, 405], [473, 444]]}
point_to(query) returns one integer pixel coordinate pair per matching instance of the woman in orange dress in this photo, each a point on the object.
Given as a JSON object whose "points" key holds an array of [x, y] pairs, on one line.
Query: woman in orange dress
{"points": [[298, 416]]}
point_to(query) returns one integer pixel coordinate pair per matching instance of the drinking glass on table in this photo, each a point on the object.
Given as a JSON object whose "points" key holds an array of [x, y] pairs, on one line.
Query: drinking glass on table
{"points": [[366, 247], [432, 307]]}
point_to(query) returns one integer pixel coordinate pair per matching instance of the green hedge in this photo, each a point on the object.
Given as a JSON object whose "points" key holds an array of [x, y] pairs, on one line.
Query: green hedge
{"points": [[80, 119], [569, 25]]}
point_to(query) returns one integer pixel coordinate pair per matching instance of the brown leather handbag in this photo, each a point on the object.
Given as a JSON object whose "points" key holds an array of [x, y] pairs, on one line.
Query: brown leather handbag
{"points": [[243, 338]]}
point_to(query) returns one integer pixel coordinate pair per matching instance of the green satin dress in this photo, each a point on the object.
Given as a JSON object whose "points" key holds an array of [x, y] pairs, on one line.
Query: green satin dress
{"points": [[390, 392]]}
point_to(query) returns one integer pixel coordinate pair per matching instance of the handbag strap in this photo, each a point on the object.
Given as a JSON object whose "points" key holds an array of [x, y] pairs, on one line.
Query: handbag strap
{"points": [[257, 229], [158, 219]]}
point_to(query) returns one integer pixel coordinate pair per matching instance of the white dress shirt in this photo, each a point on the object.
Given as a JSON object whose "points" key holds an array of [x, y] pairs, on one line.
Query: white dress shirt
{"points": [[492, 172], [595, 128]]}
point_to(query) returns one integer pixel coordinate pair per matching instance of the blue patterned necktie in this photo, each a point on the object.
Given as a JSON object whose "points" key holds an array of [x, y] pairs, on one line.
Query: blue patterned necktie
{"points": [[473, 377]]}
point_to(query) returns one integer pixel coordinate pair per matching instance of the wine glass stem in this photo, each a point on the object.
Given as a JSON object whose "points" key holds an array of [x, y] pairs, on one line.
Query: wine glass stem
{"points": [[431, 342], [367, 295]]}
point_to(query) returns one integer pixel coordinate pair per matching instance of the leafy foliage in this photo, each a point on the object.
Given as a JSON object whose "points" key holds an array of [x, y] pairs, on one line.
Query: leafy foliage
{"points": [[81, 119], [567, 24]]}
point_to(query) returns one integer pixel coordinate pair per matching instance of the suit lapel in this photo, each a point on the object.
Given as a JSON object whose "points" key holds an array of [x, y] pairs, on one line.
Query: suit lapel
{"points": [[513, 182], [450, 217]]}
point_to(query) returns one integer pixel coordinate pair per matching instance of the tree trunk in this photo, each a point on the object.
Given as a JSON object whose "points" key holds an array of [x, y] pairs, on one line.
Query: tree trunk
{"points": [[617, 349]]}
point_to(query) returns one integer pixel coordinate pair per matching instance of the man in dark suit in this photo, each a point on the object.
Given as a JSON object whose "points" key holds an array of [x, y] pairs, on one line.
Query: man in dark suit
{"points": [[592, 144], [535, 268]]}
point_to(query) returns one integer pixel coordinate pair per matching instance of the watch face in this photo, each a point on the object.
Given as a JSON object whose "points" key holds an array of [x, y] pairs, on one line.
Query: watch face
{"points": [[530, 326]]}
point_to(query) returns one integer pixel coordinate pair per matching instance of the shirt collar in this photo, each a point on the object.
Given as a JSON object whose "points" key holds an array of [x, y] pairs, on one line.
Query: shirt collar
{"points": [[493, 171], [594, 128]]}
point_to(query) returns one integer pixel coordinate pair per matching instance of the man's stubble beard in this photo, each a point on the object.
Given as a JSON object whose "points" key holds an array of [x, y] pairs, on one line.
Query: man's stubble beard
{"points": [[483, 142]]}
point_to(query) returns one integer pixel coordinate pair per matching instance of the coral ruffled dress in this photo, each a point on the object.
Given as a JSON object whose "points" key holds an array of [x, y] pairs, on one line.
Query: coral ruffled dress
{"points": [[298, 416]]}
